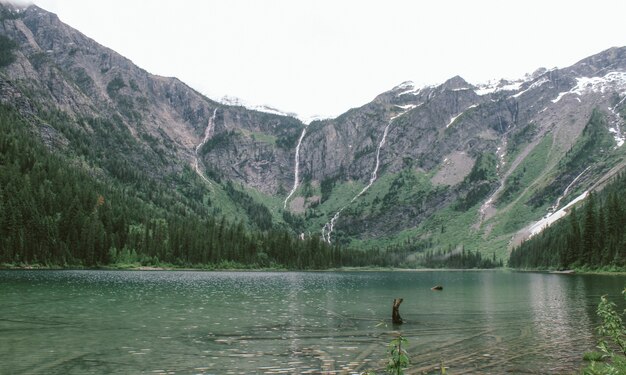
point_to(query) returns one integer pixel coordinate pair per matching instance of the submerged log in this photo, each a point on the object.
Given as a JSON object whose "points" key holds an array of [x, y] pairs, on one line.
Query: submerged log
{"points": [[395, 311]]}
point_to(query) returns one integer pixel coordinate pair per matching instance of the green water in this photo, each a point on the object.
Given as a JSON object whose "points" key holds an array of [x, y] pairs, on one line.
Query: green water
{"points": [[99, 322]]}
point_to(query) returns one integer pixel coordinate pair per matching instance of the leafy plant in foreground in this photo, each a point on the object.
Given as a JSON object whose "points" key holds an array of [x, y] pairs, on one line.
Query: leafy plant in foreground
{"points": [[398, 357], [612, 343]]}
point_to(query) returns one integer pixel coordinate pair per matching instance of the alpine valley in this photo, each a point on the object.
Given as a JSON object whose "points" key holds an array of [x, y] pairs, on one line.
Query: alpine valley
{"points": [[101, 161]]}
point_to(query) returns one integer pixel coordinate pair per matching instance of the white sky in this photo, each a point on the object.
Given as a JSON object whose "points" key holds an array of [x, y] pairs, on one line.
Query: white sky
{"points": [[326, 56]]}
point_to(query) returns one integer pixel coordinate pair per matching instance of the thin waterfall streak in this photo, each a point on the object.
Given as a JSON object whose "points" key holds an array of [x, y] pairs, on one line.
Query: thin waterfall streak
{"points": [[558, 201], [296, 169], [207, 135], [377, 165], [327, 230]]}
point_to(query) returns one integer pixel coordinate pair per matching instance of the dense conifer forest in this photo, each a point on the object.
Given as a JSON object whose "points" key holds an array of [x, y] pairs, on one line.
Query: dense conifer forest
{"points": [[459, 259], [593, 235], [54, 211]]}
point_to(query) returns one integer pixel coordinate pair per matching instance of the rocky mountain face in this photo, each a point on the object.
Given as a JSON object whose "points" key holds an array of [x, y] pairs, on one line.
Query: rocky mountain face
{"points": [[531, 129], [62, 70], [439, 167]]}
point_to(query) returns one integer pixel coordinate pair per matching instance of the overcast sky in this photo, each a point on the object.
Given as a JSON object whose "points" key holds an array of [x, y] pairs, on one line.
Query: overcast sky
{"points": [[326, 56]]}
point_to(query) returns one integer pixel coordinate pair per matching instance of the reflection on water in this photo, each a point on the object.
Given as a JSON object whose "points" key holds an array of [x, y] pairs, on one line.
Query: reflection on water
{"points": [[82, 322]]}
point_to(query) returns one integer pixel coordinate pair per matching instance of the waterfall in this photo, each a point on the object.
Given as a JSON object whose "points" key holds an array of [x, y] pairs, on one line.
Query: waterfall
{"points": [[207, 135], [328, 228], [296, 168], [566, 191]]}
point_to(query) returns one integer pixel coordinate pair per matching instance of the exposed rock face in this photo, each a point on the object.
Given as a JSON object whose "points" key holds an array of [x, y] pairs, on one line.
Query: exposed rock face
{"points": [[69, 72], [456, 146], [458, 118]]}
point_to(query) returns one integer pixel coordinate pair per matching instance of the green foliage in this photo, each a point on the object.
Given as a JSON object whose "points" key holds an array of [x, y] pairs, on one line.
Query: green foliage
{"points": [[114, 86], [83, 80], [520, 138], [287, 141], [463, 259], [258, 213], [593, 146], [8, 14], [364, 151], [264, 138], [406, 187], [593, 356], [591, 236], [326, 187], [133, 85], [398, 357], [617, 367], [476, 194], [125, 103], [296, 222], [219, 140], [284, 129], [479, 182], [528, 171], [612, 344], [612, 328], [595, 141], [515, 218], [38, 59], [484, 169], [7, 46], [53, 211]]}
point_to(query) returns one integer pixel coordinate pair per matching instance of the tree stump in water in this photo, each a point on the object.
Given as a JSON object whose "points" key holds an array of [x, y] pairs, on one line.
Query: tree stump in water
{"points": [[395, 311]]}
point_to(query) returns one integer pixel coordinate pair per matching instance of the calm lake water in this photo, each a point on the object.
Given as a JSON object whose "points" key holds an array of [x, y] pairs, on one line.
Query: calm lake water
{"points": [[97, 322]]}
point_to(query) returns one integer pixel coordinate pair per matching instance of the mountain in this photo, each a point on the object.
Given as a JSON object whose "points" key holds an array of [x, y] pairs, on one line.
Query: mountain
{"points": [[465, 165], [418, 168], [62, 71]]}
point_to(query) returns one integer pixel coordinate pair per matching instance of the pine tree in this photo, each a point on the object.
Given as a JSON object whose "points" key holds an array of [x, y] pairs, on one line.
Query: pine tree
{"points": [[590, 232]]}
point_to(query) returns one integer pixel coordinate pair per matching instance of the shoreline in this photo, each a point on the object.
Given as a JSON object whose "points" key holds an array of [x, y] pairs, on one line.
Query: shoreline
{"points": [[140, 268], [126, 267]]}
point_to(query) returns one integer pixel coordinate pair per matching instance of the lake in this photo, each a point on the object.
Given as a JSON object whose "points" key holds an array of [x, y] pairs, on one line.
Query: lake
{"points": [[187, 322]]}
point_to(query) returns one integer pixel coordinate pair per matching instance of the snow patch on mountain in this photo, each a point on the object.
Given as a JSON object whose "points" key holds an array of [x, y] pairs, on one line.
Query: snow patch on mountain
{"points": [[406, 107], [453, 119], [619, 137], [238, 102], [612, 80], [496, 86], [550, 219], [407, 87], [534, 85], [309, 119], [617, 126]]}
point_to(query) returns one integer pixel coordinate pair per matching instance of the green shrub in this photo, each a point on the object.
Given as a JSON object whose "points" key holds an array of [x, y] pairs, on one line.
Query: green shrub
{"points": [[114, 86], [398, 357], [6, 51], [612, 344]]}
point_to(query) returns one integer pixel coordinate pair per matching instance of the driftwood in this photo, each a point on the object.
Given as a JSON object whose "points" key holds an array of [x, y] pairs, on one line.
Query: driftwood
{"points": [[395, 311]]}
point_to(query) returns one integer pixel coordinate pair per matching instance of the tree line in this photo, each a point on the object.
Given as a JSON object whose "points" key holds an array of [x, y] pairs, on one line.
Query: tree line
{"points": [[56, 211], [462, 259], [593, 235]]}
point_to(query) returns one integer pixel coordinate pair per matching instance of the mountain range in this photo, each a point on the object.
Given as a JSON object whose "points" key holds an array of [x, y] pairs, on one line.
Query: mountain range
{"points": [[442, 167]]}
